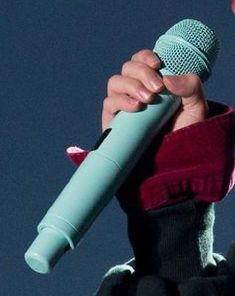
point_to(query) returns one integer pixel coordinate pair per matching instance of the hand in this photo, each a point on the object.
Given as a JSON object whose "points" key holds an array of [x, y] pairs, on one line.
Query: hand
{"points": [[138, 84]]}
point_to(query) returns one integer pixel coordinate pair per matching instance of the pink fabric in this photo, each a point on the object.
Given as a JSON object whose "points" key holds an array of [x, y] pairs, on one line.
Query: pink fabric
{"points": [[193, 162]]}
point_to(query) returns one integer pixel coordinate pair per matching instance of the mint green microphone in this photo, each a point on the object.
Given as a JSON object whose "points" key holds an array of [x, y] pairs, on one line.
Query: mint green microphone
{"points": [[187, 47]]}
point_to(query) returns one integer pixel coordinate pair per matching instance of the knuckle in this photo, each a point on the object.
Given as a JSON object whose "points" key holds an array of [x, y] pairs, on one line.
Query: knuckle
{"points": [[136, 86], [193, 77], [193, 80], [109, 106], [142, 54], [111, 81], [146, 52], [106, 104], [125, 67]]}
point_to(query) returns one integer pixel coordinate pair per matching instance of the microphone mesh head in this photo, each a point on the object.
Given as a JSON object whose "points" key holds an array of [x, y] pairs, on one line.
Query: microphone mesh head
{"points": [[188, 47]]}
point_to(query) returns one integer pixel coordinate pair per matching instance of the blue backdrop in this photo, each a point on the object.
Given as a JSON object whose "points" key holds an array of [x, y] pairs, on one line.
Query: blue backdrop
{"points": [[55, 59]]}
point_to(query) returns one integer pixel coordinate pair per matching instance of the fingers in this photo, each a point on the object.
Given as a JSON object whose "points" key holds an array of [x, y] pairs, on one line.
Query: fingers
{"points": [[113, 104], [138, 83], [134, 87], [147, 57], [138, 78], [128, 86], [188, 87], [143, 67], [143, 73], [194, 107]]}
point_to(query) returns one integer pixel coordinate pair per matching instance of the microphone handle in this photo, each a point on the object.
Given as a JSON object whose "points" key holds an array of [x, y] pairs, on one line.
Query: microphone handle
{"points": [[96, 181]]}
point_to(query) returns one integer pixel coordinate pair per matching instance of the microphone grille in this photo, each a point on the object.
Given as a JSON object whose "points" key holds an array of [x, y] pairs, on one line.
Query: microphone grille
{"points": [[188, 47]]}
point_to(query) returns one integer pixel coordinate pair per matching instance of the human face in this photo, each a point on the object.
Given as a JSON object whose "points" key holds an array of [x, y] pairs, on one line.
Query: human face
{"points": [[233, 6]]}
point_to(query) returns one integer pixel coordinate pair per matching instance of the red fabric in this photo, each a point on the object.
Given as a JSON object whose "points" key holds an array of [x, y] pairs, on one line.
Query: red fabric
{"points": [[76, 154], [193, 162]]}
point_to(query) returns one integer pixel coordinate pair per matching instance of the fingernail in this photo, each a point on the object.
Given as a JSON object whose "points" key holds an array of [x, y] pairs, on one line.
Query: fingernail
{"points": [[145, 95], [133, 101], [175, 81], [154, 61], [155, 85]]}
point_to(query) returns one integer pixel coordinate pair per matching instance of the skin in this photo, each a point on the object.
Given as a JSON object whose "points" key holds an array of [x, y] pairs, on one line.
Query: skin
{"points": [[233, 6], [138, 83]]}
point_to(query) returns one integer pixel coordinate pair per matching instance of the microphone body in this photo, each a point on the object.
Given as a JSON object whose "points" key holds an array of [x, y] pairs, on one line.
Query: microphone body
{"points": [[103, 171]]}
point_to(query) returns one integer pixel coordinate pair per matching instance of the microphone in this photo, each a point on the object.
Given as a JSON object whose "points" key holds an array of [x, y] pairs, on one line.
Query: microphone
{"points": [[187, 47]]}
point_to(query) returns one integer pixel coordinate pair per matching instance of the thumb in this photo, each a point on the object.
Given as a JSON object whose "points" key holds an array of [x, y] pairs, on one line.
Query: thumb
{"points": [[194, 107], [186, 86]]}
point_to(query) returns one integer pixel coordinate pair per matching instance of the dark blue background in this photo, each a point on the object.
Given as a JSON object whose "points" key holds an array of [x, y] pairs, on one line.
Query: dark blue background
{"points": [[55, 59]]}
